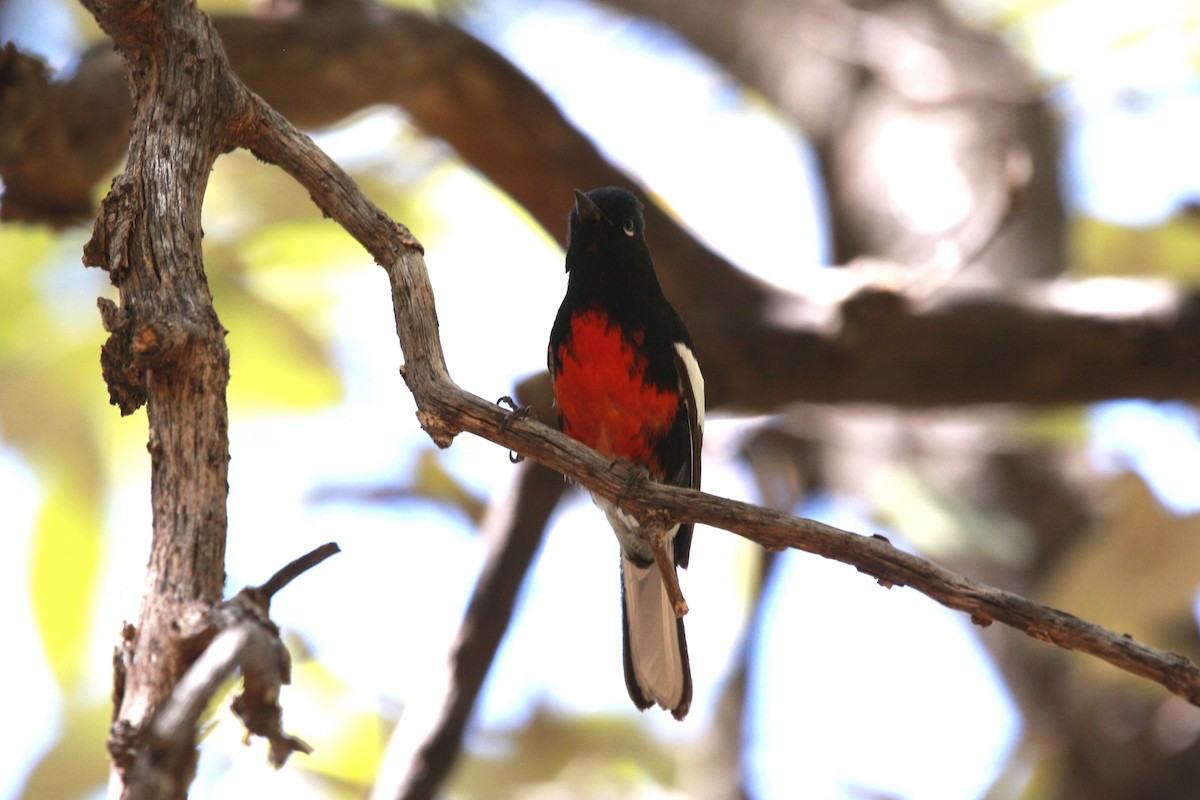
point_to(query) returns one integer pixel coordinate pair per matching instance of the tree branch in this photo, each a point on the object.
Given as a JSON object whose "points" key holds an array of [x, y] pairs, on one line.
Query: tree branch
{"points": [[872, 555], [295, 569]]}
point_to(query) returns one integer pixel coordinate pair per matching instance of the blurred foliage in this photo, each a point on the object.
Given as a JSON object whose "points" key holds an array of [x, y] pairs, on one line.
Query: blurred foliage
{"points": [[429, 482], [1137, 574], [1063, 38], [347, 731], [434, 482], [276, 360], [63, 575], [1170, 249], [77, 763], [580, 757]]}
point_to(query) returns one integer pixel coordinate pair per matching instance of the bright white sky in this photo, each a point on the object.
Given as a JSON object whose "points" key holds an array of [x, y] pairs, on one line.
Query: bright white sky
{"points": [[857, 687]]}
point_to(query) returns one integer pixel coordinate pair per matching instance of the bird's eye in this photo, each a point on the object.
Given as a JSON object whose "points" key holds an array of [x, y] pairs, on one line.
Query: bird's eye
{"points": [[630, 228]]}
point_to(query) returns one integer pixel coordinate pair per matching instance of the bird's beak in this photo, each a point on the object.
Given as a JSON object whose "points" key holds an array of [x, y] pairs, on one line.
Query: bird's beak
{"points": [[585, 209]]}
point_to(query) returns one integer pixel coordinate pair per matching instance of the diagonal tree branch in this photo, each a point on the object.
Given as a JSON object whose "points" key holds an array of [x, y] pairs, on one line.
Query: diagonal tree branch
{"points": [[427, 741], [444, 410], [458, 410]]}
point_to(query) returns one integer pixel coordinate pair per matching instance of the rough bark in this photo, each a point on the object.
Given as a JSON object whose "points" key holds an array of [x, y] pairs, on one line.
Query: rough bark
{"points": [[166, 347], [237, 635]]}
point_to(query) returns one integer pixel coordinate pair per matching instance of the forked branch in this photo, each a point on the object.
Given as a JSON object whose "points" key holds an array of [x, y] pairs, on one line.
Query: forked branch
{"points": [[237, 635]]}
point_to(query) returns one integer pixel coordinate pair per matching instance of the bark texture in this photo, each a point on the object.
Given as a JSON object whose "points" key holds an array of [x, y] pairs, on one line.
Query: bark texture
{"points": [[166, 347]]}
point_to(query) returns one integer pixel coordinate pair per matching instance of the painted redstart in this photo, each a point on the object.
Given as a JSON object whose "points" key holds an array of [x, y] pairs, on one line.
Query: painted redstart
{"points": [[627, 384]]}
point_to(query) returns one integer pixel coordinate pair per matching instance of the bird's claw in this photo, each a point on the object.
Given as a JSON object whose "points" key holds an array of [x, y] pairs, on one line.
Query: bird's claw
{"points": [[518, 413]]}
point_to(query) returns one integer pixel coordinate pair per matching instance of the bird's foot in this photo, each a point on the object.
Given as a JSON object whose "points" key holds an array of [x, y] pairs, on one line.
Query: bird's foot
{"points": [[518, 413]]}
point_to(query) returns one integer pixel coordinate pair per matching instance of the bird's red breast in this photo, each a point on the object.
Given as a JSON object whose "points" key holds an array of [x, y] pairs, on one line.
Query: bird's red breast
{"points": [[603, 397]]}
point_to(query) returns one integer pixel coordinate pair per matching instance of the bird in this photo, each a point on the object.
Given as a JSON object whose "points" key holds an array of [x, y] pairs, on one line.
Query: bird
{"points": [[627, 383]]}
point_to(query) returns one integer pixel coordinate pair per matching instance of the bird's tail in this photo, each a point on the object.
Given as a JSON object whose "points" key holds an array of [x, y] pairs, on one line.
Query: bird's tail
{"points": [[656, 658]]}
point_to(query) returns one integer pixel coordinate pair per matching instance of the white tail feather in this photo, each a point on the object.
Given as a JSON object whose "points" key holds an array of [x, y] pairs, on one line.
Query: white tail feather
{"points": [[653, 634]]}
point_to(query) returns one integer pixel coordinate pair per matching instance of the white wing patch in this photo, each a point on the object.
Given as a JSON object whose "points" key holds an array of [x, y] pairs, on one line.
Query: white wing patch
{"points": [[697, 380]]}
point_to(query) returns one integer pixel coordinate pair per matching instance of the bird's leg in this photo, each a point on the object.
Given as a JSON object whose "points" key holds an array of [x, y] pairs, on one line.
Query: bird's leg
{"points": [[656, 535]]}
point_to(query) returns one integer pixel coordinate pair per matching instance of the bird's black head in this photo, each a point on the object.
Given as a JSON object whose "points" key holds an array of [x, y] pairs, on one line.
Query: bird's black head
{"points": [[606, 223]]}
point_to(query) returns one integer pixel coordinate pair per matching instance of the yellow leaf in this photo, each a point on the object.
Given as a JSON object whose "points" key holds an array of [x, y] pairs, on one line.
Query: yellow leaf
{"points": [[275, 360], [348, 731], [435, 482], [65, 562]]}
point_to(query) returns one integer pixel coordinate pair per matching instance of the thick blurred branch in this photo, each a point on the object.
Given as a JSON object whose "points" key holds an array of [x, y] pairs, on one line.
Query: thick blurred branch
{"points": [[903, 101], [427, 741], [762, 348]]}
